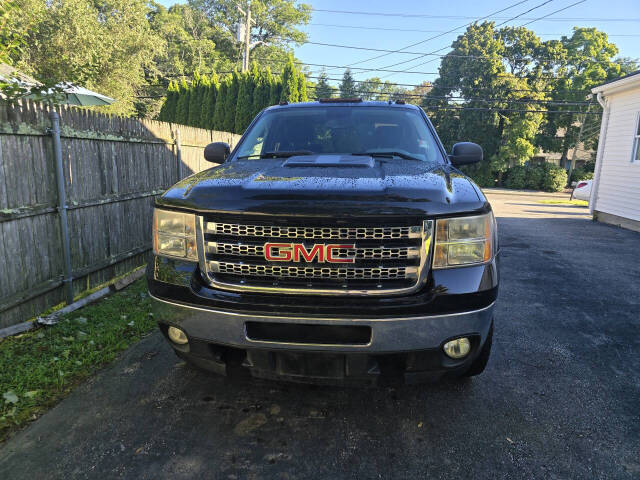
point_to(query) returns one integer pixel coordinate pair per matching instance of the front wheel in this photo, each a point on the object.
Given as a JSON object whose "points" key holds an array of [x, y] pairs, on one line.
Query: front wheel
{"points": [[479, 364]]}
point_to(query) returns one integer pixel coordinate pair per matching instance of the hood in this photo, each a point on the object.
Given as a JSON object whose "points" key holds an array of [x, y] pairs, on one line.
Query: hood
{"points": [[321, 185]]}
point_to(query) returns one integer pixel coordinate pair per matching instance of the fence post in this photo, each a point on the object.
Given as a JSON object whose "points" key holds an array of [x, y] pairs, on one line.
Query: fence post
{"points": [[62, 204], [179, 154]]}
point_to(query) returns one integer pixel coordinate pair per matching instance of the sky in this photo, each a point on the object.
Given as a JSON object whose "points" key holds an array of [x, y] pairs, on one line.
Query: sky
{"points": [[395, 25]]}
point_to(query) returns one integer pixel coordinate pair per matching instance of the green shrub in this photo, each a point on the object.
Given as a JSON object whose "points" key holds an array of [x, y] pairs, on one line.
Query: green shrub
{"points": [[554, 179], [516, 177], [481, 174], [535, 177]]}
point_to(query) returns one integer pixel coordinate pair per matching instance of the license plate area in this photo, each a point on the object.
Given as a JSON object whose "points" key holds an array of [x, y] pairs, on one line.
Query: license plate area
{"points": [[305, 334]]}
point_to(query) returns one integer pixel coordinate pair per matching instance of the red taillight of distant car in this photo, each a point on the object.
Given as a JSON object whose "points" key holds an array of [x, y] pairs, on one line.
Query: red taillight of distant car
{"points": [[581, 184]]}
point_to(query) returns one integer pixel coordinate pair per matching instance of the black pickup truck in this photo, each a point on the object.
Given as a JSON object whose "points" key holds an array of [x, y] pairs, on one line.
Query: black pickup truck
{"points": [[337, 242]]}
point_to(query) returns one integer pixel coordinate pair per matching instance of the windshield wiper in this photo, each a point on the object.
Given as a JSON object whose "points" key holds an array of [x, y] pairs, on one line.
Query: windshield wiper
{"points": [[282, 154], [389, 154]]}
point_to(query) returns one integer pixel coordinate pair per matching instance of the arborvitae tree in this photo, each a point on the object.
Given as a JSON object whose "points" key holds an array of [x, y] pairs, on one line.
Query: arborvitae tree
{"points": [[302, 87], [245, 101], [221, 101], [168, 110], [261, 92], [323, 89], [204, 105], [290, 92], [195, 100], [182, 108], [348, 85], [214, 86], [275, 91], [230, 103]]}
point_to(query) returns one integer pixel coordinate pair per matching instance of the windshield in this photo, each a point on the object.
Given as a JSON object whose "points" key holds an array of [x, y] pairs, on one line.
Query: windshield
{"points": [[389, 132]]}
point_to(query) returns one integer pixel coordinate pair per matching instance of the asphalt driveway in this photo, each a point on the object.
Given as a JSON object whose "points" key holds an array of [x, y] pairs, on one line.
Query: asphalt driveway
{"points": [[559, 399]]}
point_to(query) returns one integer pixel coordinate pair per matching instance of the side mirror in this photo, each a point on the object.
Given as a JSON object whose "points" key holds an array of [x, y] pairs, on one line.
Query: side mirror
{"points": [[216, 152], [464, 153]]}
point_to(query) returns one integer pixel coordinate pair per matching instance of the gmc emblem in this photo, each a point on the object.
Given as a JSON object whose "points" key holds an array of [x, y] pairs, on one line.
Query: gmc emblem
{"points": [[297, 252]]}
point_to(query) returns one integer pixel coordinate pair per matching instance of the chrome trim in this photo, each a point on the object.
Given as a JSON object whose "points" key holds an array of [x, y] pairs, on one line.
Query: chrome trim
{"points": [[425, 232], [315, 319], [362, 253]]}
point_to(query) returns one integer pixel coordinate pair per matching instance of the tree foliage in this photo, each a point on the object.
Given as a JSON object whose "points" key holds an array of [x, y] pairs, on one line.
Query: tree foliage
{"points": [[348, 85]]}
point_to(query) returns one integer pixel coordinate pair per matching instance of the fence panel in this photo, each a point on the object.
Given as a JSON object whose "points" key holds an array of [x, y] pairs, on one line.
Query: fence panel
{"points": [[113, 168]]}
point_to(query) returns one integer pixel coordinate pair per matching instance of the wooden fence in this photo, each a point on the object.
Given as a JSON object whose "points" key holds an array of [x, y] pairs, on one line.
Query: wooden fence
{"points": [[113, 168]]}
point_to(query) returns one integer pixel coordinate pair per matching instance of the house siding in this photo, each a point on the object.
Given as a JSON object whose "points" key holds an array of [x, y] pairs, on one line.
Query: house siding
{"points": [[618, 192]]}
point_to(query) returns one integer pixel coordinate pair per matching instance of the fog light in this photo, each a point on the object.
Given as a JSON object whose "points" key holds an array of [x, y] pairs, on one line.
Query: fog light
{"points": [[177, 336], [457, 348]]}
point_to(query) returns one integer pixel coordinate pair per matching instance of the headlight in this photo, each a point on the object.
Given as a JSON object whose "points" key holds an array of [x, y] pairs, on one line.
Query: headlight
{"points": [[174, 234], [464, 241]]}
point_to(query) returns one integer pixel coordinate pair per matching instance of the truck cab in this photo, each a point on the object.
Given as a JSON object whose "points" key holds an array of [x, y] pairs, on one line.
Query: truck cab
{"points": [[337, 242]]}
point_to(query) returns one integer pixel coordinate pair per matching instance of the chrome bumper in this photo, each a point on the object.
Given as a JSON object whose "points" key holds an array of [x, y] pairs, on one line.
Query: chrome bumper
{"points": [[388, 335]]}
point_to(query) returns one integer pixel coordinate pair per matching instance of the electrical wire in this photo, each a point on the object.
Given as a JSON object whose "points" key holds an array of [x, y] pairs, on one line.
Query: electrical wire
{"points": [[439, 35], [387, 29], [419, 15]]}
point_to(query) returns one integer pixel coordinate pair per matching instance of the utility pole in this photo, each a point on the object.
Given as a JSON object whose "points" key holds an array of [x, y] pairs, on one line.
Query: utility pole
{"points": [[572, 166], [247, 35]]}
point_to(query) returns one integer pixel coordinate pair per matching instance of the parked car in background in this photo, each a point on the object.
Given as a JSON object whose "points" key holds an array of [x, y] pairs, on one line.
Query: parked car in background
{"points": [[582, 190]]}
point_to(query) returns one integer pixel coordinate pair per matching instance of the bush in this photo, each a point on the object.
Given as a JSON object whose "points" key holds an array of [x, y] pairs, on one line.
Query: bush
{"points": [[481, 174], [516, 178], [554, 179], [535, 177]]}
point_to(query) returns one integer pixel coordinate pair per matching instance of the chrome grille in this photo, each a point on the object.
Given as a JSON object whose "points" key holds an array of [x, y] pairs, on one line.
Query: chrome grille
{"points": [[279, 271], [331, 233], [370, 253], [388, 259]]}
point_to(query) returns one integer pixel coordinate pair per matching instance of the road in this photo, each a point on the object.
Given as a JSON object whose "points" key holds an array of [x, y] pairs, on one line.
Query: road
{"points": [[559, 399]]}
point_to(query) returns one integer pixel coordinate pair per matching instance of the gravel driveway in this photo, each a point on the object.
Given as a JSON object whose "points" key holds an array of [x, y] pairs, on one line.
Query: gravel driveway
{"points": [[559, 399]]}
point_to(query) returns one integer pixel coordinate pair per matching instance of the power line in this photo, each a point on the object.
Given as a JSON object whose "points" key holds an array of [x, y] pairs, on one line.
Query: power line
{"points": [[384, 70], [553, 13], [381, 28], [435, 51], [462, 17], [440, 34], [440, 49], [449, 55]]}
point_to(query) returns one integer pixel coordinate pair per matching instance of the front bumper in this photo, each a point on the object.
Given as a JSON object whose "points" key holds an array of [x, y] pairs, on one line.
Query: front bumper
{"points": [[408, 347]]}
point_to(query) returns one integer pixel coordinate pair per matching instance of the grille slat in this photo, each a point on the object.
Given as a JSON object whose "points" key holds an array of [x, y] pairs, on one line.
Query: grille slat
{"points": [[324, 233], [364, 253], [281, 271], [386, 258]]}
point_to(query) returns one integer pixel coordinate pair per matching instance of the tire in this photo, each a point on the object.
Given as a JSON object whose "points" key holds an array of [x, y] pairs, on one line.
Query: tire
{"points": [[479, 364]]}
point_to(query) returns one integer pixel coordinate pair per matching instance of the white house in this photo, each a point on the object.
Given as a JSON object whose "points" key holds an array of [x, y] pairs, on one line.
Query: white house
{"points": [[615, 194]]}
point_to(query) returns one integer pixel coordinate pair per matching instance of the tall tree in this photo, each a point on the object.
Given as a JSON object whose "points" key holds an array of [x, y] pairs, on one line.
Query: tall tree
{"points": [[348, 85], [583, 60], [290, 92], [182, 107], [323, 89], [275, 31], [206, 117], [244, 108], [230, 102], [275, 91], [221, 101], [195, 100], [302, 87], [105, 46]]}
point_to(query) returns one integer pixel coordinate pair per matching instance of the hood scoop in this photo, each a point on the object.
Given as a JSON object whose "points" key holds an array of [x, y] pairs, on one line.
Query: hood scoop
{"points": [[333, 161]]}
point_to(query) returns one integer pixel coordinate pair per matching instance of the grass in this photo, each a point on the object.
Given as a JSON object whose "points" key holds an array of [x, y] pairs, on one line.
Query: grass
{"points": [[40, 367], [582, 203]]}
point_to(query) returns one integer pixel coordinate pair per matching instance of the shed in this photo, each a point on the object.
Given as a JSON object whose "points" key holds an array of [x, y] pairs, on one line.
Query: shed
{"points": [[615, 194]]}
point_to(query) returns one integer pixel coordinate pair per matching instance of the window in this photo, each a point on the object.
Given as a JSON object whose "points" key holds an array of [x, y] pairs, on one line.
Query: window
{"points": [[332, 130], [635, 153]]}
